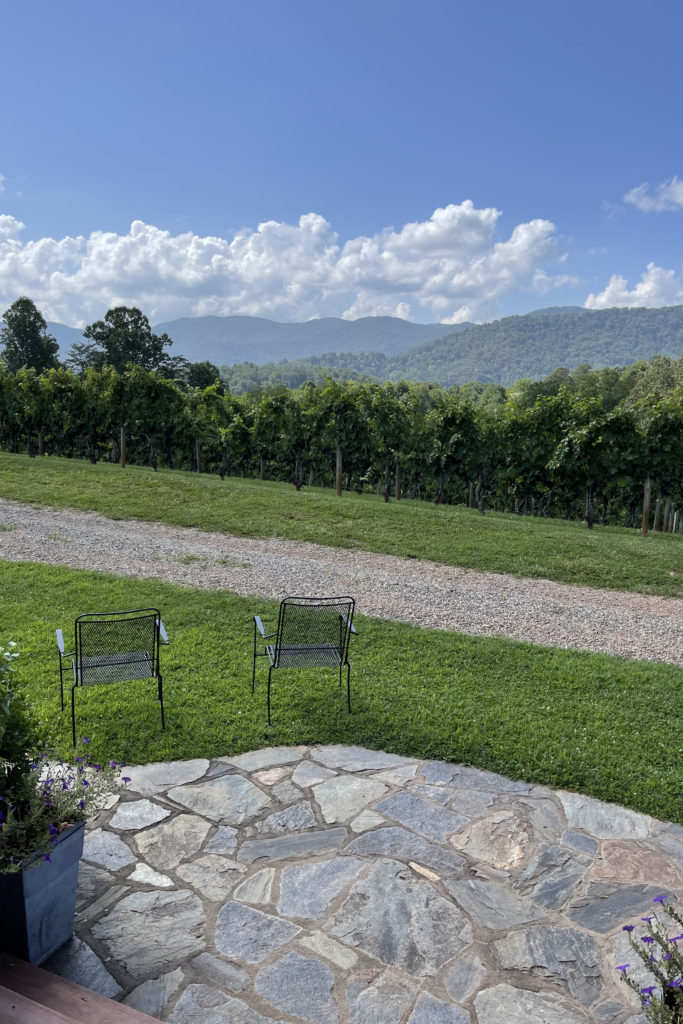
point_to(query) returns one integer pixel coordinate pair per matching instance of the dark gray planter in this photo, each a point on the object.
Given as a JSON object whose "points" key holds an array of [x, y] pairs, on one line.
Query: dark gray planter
{"points": [[38, 903]]}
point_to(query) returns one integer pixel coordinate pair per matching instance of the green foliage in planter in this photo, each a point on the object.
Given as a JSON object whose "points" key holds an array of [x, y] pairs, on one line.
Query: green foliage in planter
{"points": [[40, 796]]}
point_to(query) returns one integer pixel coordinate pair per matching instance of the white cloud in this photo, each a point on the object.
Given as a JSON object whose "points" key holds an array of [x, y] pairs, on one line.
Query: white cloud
{"points": [[661, 198], [657, 287], [2, 182], [449, 268]]}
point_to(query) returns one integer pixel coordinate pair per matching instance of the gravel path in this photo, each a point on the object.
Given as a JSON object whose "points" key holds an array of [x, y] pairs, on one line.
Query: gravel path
{"points": [[422, 593]]}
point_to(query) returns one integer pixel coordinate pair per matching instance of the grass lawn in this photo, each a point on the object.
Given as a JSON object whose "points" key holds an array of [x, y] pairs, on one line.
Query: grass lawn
{"points": [[610, 557], [606, 726]]}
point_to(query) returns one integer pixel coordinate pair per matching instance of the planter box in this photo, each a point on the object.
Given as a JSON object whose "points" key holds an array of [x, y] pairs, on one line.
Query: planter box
{"points": [[38, 903]]}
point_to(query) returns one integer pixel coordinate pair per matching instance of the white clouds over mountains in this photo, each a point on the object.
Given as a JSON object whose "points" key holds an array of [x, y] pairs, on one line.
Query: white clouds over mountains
{"points": [[448, 268]]}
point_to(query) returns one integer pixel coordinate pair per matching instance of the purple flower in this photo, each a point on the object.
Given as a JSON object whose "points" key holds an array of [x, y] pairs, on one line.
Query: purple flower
{"points": [[646, 919], [125, 778], [676, 983], [112, 764], [676, 938], [627, 928], [623, 967], [81, 804], [53, 830], [65, 784], [86, 740], [86, 784], [98, 767], [79, 759], [647, 991], [46, 856], [658, 899], [646, 938]]}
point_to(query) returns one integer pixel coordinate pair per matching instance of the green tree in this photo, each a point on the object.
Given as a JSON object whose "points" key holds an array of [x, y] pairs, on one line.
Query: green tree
{"points": [[25, 338], [123, 337]]}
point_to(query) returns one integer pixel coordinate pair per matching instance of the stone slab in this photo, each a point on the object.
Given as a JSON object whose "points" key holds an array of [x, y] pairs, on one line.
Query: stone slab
{"points": [[379, 997], [256, 889], [145, 875], [470, 802], [106, 849], [580, 842], [606, 906], [552, 875], [501, 839], [399, 843], [400, 920], [345, 797], [268, 757], [92, 883], [224, 840], [149, 779], [519, 1006], [213, 877], [429, 1010], [294, 818], [492, 906], [428, 819], [229, 799], [76, 962], [138, 814], [292, 846], [151, 997], [601, 820], [165, 846], [247, 934], [202, 1004], [356, 759], [307, 890], [565, 954], [221, 971], [366, 820], [125, 931], [332, 950], [300, 986], [464, 977], [308, 774]]}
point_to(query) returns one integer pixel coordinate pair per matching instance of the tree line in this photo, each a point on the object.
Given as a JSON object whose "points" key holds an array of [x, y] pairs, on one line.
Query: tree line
{"points": [[604, 445]]}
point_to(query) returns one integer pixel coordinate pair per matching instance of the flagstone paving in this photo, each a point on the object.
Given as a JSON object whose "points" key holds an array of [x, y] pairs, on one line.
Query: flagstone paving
{"points": [[337, 885]]}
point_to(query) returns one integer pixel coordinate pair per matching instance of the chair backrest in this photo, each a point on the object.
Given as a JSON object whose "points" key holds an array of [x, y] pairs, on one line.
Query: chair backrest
{"points": [[114, 646], [310, 628]]}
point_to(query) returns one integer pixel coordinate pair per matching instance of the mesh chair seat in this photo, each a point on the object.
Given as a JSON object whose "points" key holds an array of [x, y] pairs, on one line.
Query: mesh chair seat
{"points": [[304, 656], [312, 632], [113, 647], [114, 668]]}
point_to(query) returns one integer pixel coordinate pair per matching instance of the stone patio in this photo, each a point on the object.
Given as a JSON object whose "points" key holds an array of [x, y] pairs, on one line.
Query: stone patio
{"points": [[338, 885]]}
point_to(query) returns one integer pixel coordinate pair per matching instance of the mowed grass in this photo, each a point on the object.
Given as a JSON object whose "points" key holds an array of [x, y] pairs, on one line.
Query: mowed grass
{"points": [[610, 557], [605, 726]]}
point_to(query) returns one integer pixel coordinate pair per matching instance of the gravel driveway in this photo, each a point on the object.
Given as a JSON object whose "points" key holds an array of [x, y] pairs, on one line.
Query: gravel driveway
{"points": [[422, 593]]}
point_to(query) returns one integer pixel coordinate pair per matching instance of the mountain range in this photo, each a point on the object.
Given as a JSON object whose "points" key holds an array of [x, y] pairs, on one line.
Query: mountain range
{"points": [[505, 350]]}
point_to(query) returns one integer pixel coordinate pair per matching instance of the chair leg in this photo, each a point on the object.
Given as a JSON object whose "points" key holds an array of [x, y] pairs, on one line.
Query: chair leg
{"points": [[340, 674], [270, 670], [348, 686], [61, 681], [253, 670], [73, 714], [161, 702]]}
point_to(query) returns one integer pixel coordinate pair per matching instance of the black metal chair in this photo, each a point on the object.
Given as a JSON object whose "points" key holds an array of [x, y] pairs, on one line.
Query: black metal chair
{"points": [[312, 632], [113, 647]]}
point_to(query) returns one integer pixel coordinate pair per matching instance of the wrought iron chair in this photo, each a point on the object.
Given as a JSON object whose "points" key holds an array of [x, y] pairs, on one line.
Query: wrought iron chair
{"points": [[113, 647], [312, 632]]}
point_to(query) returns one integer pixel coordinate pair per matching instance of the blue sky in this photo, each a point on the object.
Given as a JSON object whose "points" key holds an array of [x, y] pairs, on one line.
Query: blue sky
{"points": [[436, 160]]}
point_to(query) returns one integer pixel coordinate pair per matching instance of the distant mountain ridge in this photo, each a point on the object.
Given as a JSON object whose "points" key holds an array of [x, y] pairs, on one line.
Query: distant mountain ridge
{"points": [[529, 345]]}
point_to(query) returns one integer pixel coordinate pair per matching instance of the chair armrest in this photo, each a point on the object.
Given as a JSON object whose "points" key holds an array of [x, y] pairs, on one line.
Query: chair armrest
{"points": [[60, 641], [162, 631], [259, 624], [350, 625]]}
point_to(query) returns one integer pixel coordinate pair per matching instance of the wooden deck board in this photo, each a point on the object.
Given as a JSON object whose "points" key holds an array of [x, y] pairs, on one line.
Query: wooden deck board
{"points": [[70, 1003]]}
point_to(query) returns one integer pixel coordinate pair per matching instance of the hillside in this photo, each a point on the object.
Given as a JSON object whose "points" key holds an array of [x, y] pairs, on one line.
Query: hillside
{"points": [[501, 352], [228, 339]]}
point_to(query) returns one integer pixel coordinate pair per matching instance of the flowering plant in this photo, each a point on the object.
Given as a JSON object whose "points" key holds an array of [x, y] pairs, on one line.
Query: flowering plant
{"points": [[40, 795], [662, 956]]}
